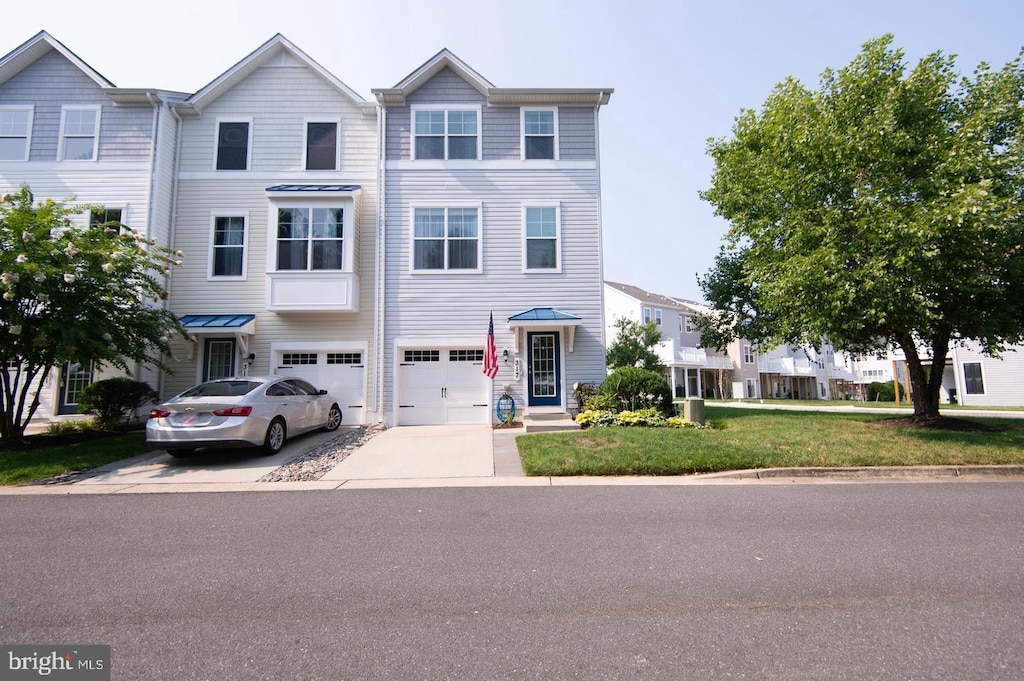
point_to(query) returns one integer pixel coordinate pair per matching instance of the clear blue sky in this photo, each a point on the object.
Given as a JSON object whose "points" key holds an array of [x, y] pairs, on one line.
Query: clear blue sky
{"points": [[681, 70]]}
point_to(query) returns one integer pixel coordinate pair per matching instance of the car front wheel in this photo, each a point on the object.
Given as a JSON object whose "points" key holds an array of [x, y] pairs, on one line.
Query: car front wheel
{"points": [[333, 418], [274, 440]]}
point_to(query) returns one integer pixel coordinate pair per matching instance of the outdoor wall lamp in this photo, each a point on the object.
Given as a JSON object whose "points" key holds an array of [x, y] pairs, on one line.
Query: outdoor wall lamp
{"points": [[504, 355], [251, 357]]}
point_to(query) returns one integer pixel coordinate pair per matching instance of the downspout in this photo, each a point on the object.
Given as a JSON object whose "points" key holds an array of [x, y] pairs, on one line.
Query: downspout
{"points": [[172, 228], [600, 228], [155, 103], [381, 255]]}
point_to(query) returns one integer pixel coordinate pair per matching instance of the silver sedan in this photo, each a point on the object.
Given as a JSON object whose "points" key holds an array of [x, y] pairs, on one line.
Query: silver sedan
{"points": [[245, 411]]}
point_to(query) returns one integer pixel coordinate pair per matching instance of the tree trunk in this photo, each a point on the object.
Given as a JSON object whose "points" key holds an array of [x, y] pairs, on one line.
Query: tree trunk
{"points": [[925, 383]]}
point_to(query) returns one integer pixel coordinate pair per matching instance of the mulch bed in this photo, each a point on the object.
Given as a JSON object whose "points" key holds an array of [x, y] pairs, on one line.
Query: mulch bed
{"points": [[940, 423]]}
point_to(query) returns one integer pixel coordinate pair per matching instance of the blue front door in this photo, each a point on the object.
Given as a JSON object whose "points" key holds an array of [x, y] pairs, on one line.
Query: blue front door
{"points": [[544, 371]]}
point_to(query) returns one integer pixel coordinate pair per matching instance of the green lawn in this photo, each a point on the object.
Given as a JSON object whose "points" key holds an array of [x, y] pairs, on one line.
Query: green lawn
{"points": [[853, 403], [19, 466], [754, 438]]}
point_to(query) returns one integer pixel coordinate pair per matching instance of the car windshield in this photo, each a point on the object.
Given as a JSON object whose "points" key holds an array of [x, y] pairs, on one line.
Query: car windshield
{"points": [[221, 389]]}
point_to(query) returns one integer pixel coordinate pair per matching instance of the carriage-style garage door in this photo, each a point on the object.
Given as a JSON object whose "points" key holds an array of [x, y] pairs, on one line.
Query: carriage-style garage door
{"points": [[442, 386], [341, 373]]}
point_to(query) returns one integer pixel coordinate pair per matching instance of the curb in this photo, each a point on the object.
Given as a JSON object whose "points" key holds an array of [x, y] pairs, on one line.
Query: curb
{"points": [[869, 472]]}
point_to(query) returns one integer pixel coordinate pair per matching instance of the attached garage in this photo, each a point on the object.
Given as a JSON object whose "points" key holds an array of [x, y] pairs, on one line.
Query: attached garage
{"points": [[439, 386], [339, 371]]}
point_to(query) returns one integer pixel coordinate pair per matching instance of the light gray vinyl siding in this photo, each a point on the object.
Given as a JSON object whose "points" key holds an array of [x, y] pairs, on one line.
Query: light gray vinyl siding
{"points": [[500, 125], [576, 134], [52, 82], [163, 176], [1003, 378], [449, 305], [128, 190]]}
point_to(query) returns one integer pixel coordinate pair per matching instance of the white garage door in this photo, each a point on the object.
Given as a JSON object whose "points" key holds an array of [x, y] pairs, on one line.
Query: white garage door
{"points": [[442, 386], [341, 373]]}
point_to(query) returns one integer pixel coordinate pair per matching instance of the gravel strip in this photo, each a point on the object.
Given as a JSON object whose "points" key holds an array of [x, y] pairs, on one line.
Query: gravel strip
{"points": [[313, 464]]}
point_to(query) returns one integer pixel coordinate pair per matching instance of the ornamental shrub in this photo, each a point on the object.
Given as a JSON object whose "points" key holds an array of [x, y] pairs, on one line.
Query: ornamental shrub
{"points": [[884, 392], [600, 402], [114, 400], [642, 417], [636, 388], [593, 417]]}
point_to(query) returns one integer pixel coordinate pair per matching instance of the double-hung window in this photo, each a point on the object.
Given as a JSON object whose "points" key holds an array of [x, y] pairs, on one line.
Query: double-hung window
{"points": [[15, 133], [974, 380], [105, 217], [688, 324], [79, 133], [540, 133], [446, 134], [310, 238], [321, 145], [234, 145], [227, 246], [446, 239], [542, 238], [748, 355]]}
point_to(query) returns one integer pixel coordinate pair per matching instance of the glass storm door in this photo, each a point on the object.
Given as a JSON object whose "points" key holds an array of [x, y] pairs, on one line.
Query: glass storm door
{"points": [[544, 378], [220, 358], [73, 379]]}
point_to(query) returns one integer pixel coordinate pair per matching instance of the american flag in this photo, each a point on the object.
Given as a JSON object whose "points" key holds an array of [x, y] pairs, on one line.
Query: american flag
{"points": [[491, 354]]}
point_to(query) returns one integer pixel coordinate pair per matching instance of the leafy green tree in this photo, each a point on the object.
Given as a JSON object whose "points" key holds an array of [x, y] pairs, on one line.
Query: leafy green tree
{"points": [[73, 295], [634, 345], [882, 210]]}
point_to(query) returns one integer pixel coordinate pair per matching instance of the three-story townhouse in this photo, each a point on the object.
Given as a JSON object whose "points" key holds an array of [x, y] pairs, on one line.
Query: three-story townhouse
{"points": [[276, 215], [490, 207], [66, 131]]}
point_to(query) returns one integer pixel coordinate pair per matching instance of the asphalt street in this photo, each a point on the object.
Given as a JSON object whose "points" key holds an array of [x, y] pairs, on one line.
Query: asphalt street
{"points": [[851, 581]]}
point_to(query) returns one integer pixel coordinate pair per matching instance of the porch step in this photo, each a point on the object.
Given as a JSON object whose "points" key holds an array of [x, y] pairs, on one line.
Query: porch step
{"points": [[548, 423]]}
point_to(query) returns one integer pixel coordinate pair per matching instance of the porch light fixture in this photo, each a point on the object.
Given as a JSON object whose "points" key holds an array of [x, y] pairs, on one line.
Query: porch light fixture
{"points": [[504, 355]]}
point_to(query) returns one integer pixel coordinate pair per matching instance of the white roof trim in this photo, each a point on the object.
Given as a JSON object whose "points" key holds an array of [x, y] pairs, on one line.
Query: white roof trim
{"points": [[17, 60], [443, 59], [260, 56]]}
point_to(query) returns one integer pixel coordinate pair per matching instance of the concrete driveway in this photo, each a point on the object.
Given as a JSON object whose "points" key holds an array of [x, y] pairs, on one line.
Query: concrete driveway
{"points": [[210, 465], [421, 452]]}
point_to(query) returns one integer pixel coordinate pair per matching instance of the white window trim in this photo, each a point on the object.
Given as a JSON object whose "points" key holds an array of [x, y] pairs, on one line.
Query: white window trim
{"points": [[28, 134], [446, 108], [522, 132], [109, 205], [648, 314], [214, 214], [657, 316], [95, 138], [748, 354], [348, 244], [984, 384], [687, 321], [216, 142], [305, 142], [446, 204], [558, 239]]}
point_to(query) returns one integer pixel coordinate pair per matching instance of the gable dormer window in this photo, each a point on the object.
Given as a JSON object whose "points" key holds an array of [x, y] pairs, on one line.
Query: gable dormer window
{"points": [[540, 133], [446, 134], [234, 145], [79, 133]]}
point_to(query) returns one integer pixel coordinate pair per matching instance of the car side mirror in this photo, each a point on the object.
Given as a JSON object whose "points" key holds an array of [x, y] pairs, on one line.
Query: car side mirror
{"points": [[323, 392]]}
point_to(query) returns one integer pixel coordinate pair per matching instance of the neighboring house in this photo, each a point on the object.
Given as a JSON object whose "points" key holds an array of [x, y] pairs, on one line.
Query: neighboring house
{"points": [[67, 131], [739, 371], [276, 214], [490, 205], [805, 373], [693, 371], [982, 381]]}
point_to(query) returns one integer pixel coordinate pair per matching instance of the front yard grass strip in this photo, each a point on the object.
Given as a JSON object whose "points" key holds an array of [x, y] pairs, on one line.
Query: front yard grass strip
{"points": [[20, 466], [753, 438]]}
